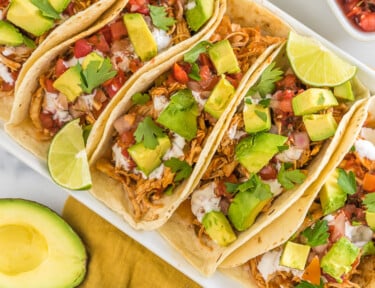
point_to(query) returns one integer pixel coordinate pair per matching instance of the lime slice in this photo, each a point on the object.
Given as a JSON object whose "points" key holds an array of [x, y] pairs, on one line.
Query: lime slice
{"points": [[314, 64], [67, 159]]}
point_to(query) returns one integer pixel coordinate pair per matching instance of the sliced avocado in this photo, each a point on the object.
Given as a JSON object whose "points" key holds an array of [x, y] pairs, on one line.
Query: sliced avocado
{"points": [[245, 207], [93, 56], [332, 197], [222, 56], [320, 126], [257, 118], [295, 255], [9, 35], [368, 249], [313, 100], [38, 248], [140, 35], [69, 83], [218, 228], [219, 98], [344, 91], [149, 159], [25, 15], [339, 259], [197, 16], [59, 5], [255, 151], [181, 114], [370, 219]]}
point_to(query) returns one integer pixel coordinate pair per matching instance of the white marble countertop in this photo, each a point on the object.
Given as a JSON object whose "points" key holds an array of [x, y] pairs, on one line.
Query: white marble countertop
{"points": [[19, 181]]}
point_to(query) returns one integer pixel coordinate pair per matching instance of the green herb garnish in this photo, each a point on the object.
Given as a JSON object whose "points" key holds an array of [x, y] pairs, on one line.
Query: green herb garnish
{"points": [[160, 18], [192, 55], [316, 234], [347, 181], [180, 167], [147, 132], [46, 9], [267, 81], [140, 98], [288, 178], [194, 73]]}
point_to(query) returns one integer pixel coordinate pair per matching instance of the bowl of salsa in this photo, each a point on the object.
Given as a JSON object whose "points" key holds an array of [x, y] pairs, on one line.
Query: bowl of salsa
{"points": [[356, 16]]}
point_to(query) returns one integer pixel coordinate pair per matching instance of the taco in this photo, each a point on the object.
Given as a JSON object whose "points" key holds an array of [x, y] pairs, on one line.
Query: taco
{"points": [[336, 239], [269, 152], [157, 138], [28, 29], [86, 75]]}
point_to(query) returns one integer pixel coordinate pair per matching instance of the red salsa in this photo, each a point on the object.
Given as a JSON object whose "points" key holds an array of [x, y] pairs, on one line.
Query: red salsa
{"points": [[361, 13]]}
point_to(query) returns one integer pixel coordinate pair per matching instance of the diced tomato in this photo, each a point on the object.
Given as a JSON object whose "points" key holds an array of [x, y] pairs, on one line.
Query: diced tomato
{"points": [[99, 42], [131, 163], [115, 84], [46, 120], [118, 30], [81, 48], [367, 21], [49, 86], [288, 82], [268, 172], [128, 138], [70, 9], [60, 67], [134, 65], [179, 74], [369, 182], [204, 60], [106, 31], [140, 6], [312, 272], [234, 79], [206, 78]]}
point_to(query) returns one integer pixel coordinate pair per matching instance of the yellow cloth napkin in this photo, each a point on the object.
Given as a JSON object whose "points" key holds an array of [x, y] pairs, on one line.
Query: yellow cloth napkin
{"points": [[116, 260]]}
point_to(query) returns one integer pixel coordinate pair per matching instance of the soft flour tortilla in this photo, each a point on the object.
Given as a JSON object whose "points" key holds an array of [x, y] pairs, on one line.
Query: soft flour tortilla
{"points": [[179, 230], [111, 191], [289, 222], [20, 126], [67, 29]]}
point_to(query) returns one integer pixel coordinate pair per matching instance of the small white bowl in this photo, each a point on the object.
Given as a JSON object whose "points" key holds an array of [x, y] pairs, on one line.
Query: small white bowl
{"points": [[348, 26]]}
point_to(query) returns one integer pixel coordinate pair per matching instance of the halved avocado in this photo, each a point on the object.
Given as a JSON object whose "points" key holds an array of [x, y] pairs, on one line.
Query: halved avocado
{"points": [[38, 248]]}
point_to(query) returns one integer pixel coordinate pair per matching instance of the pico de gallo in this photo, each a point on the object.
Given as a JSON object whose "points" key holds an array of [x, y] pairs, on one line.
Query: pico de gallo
{"points": [[361, 13]]}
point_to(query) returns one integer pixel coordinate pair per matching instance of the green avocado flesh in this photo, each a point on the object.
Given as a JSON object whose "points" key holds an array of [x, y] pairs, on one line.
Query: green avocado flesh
{"points": [[200, 14], [344, 91], [25, 15], [38, 248], [9, 35], [59, 5], [295, 255], [339, 259], [257, 118], [313, 100], [222, 56], [218, 228], [320, 126], [69, 83]]}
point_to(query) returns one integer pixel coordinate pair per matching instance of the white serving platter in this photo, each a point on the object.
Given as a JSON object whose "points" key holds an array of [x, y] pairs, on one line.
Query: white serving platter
{"points": [[152, 240]]}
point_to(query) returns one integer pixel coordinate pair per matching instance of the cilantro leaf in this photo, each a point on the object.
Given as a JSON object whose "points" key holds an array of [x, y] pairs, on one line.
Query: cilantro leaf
{"points": [[347, 181], [248, 100], [255, 185], [316, 234], [287, 178], [194, 73], [265, 102], [282, 148], [160, 18], [231, 187], [28, 42], [96, 73], [267, 81], [369, 202], [192, 55], [305, 284], [139, 98], [262, 115], [147, 131], [46, 8], [180, 167]]}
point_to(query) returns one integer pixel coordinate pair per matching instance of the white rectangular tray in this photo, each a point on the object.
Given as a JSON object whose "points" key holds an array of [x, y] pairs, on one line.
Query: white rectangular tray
{"points": [[152, 240]]}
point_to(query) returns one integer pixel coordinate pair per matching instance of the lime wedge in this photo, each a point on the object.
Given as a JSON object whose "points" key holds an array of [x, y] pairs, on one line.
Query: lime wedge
{"points": [[314, 64], [67, 159]]}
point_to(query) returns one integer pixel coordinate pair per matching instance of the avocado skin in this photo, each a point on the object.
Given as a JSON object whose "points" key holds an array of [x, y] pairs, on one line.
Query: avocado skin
{"points": [[218, 228], [181, 114], [339, 259], [66, 262]]}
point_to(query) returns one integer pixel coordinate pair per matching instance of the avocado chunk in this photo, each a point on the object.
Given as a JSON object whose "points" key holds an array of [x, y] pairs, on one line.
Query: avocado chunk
{"points": [[91, 57], [219, 98], [313, 100], [69, 83], [218, 228], [38, 248], [140, 36], [255, 151], [9, 35], [370, 219], [222, 56], [332, 197], [201, 12], [257, 118], [59, 5], [295, 255], [368, 249], [344, 91], [147, 159], [25, 15], [339, 259], [247, 205], [320, 126], [181, 114]]}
